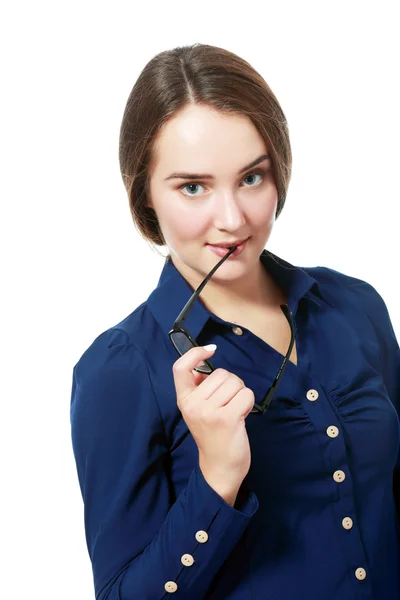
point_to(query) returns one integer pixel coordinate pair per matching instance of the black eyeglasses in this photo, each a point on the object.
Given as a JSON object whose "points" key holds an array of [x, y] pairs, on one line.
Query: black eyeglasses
{"points": [[183, 341]]}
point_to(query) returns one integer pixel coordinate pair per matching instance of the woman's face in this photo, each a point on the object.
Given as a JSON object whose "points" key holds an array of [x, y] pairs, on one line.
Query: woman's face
{"points": [[228, 206]]}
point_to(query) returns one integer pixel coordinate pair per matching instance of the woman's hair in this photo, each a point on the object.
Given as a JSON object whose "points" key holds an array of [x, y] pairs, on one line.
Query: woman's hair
{"points": [[196, 74]]}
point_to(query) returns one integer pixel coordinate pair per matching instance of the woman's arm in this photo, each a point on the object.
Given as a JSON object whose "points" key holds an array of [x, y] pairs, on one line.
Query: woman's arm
{"points": [[375, 308], [391, 376], [138, 537]]}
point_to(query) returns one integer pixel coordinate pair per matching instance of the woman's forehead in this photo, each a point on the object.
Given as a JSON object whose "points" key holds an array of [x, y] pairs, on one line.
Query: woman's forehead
{"points": [[198, 141]]}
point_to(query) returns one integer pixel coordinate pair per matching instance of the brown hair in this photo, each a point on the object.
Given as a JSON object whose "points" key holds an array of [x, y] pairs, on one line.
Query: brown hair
{"points": [[196, 74]]}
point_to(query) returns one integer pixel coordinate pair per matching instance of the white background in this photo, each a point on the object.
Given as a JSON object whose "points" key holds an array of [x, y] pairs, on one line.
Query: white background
{"points": [[73, 264]]}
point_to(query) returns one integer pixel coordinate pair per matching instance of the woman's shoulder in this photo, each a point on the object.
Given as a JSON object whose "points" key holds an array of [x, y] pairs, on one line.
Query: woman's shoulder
{"points": [[111, 380], [354, 296], [115, 347], [340, 286]]}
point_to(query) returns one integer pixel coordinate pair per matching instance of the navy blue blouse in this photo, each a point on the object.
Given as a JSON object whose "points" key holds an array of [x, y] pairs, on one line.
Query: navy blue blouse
{"points": [[317, 516]]}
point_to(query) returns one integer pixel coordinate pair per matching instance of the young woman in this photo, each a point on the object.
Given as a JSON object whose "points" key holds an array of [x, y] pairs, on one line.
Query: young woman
{"points": [[265, 468]]}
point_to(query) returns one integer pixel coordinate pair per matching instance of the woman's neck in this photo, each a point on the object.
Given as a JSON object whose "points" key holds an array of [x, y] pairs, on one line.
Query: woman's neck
{"points": [[256, 291]]}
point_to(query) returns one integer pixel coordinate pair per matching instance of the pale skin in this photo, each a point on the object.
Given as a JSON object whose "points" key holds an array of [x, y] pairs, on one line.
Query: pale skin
{"points": [[231, 206], [193, 212]]}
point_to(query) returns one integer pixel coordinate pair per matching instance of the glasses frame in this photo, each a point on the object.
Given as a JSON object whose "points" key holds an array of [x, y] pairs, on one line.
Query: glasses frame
{"points": [[208, 367]]}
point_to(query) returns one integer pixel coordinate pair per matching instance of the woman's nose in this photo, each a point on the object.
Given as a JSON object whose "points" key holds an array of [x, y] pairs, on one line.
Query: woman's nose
{"points": [[228, 212]]}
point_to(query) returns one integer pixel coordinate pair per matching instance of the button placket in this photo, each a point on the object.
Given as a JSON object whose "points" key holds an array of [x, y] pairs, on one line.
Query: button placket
{"points": [[337, 454], [187, 560], [339, 476]]}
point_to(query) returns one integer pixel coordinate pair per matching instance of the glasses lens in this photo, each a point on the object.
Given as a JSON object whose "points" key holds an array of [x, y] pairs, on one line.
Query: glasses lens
{"points": [[183, 344]]}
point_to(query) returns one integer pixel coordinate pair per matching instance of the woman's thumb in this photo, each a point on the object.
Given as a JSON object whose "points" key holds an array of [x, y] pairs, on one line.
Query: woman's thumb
{"points": [[185, 378]]}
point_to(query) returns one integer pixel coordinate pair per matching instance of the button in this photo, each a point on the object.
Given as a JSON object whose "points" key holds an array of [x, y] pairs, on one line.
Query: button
{"points": [[347, 523], [237, 330], [332, 431], [170, 587], [187, 560], [361, 573], [201, 536], [312, 395], [339, 476]]}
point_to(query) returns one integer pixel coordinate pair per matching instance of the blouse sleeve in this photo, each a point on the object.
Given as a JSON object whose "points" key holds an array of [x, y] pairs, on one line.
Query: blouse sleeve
{"points": [[137, 536], [375, 308]]}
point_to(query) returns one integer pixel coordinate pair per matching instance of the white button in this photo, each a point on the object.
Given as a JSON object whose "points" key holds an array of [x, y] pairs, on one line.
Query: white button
{"points": [[312, 395], [347, 523], [170, 587], [339, 476], [187, 560], [201, 536], [237, 330], [361, 573], [332, 431]]}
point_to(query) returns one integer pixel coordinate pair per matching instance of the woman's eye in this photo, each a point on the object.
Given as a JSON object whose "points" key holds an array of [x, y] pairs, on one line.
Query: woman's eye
{"points": [[196, 185], [190, 185], [254, 174]]}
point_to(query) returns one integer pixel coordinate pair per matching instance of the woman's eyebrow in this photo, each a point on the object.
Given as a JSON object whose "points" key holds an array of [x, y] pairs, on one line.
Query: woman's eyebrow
{"points": [[208, 176]]}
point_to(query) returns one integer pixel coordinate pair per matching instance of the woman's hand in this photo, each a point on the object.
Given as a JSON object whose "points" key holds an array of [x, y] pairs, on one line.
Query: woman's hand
{"points": [[214, 408]]}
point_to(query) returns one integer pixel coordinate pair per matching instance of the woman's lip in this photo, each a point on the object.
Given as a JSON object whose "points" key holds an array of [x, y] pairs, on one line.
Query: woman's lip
{"points": [[230, 246], [222, 250]]}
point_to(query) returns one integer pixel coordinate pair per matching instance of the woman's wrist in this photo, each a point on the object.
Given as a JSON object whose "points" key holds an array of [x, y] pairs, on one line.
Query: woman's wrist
{"points": [[228, 492]]}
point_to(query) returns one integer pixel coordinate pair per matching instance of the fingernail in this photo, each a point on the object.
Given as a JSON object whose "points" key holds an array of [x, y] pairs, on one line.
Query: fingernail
{"points": [[210, 347]]}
